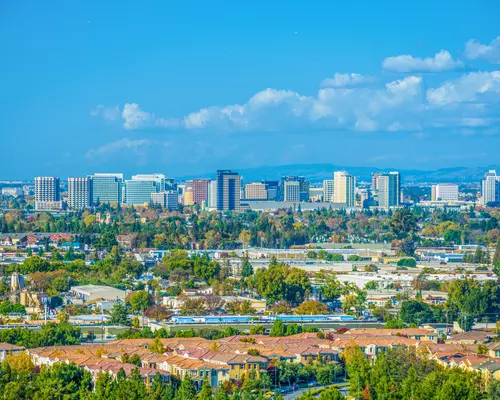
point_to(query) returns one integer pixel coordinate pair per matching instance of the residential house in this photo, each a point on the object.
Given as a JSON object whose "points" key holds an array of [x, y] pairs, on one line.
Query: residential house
{"points": [[7, 349]]}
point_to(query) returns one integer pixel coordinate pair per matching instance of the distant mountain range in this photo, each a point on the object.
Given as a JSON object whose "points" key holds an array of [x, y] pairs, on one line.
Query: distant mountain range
{"points": [[319, 172]]}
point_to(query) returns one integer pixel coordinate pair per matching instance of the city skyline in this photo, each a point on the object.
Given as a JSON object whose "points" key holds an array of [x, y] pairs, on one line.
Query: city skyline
{"points": [[228, 191], [287, 85]]}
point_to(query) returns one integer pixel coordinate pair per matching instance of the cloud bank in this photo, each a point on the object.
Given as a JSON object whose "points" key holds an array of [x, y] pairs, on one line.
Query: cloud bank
{"points": [[474, 50], [350, 102], [442, 61]]}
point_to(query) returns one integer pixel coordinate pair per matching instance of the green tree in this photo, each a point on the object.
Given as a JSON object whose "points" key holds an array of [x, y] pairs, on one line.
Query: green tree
{"points": [[246, 268], [105, 386], [60, 381], [206, 270], [136, 387], [157, 346], [278, 329], [493, 390], [312, 307], [221, 393], [187, 389], [193, 306], [119, 314], [403, 223], [330, 288], [159, 390], [331, 393], [205, 392], [358, 369], [140, 300], [496, 259]]}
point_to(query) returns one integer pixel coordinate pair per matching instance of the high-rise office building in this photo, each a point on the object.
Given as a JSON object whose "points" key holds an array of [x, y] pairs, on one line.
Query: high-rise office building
{"points": [[47, 193], [291, 191], [344, 188], [212, 194], [166, 199], [375, 182], [272, 188], [389, 189], [256, 191], [138, 189], [328, 188], [445, 192], [107, 188], [200, 190], [79, 193], [228, 190], [490, 188], [303, 188]]}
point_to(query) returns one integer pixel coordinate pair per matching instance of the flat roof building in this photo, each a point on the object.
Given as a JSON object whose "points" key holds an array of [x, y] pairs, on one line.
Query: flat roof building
{"points": [[344, 188], [256, 191], [107, 188], [228, 190], [79, 193], [445, 192], [96, 292]]}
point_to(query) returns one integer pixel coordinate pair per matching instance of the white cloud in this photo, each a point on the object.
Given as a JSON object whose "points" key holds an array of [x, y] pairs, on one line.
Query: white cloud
{"points": [[123, 144], [108, 113], [475, 86], [361, 109], [474, 50], [442, 61], [346, 102], [134, 118], [347, 80]]}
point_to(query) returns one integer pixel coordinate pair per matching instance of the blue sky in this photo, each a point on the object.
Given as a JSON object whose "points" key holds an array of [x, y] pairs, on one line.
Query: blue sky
{"points": [[185, 87]]}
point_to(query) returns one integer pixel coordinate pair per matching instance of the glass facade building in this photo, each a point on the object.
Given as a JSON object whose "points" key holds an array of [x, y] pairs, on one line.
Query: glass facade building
{"points": [[107, 188], [138, 190]]}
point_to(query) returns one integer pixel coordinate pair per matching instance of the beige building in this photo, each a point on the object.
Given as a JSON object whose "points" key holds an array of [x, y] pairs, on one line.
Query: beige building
{"points": [[188, 197], [256, 191], [33, 302], [344, 188]]}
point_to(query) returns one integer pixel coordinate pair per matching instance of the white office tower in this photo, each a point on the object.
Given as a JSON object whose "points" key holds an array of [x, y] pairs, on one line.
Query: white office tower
{"points": [[344, 188], [212, 194], [47, 193], [444, 192], [79, 193], [490, 188], [291, 191], [166, 199], [389, 189], [328, 189]]}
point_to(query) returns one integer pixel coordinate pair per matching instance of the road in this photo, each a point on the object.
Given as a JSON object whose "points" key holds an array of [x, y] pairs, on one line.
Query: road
{"points": [[295, 395]]}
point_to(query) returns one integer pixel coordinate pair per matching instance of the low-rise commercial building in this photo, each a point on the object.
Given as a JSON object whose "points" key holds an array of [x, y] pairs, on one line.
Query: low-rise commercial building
{"points": [[95, 292]]}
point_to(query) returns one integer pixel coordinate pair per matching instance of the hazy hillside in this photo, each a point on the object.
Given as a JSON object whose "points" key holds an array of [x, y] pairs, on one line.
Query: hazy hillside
{"points": [[319, 172]]}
